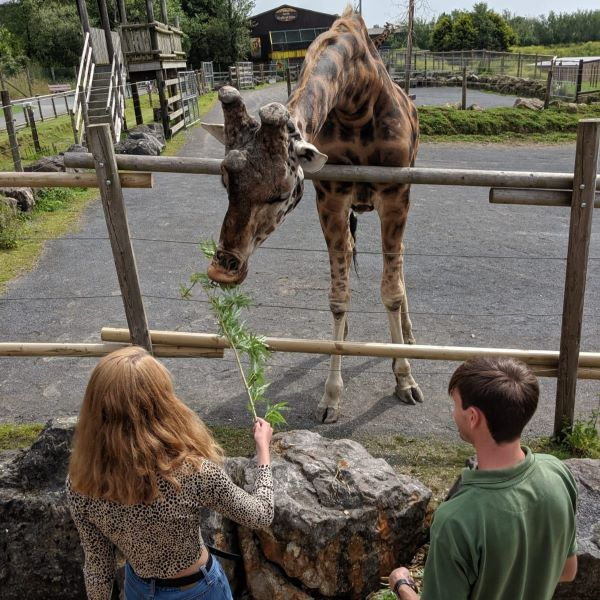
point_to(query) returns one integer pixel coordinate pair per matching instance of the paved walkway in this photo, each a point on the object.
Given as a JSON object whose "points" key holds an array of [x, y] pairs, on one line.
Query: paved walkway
{"points": [[477, 275]]}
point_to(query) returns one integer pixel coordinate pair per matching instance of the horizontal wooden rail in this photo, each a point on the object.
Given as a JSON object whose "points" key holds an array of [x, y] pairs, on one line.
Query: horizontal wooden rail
{"points": [[543, 360], [58, 349], [88, 180], [212, 166], [534, 197]]}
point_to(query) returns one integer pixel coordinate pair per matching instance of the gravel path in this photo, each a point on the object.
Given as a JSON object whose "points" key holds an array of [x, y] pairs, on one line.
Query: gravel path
{"points": [[477, 275]]}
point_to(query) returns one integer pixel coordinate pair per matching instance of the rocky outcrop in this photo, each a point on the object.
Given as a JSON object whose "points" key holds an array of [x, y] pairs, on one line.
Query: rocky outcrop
{"points": [[146, 140], [24, 197], [342, 520], [40, 554], [587, 582]]}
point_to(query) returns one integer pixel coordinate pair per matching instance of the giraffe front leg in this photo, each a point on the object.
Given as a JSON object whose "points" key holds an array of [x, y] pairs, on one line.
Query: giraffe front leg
{"points": [[334, 223], [393, 294]]}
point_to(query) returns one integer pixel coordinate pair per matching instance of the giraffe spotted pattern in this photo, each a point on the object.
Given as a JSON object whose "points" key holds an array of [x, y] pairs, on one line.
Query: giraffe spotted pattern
{"points": [[164, 537]]}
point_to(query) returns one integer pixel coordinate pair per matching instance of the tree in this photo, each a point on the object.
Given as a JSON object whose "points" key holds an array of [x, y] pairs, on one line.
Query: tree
{"points": [[441, 37], [221, 34], [11, 58], [480, 28]]}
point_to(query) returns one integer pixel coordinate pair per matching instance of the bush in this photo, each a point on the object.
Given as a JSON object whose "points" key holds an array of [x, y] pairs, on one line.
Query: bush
{"points": [[53, 199], [9, 227]]}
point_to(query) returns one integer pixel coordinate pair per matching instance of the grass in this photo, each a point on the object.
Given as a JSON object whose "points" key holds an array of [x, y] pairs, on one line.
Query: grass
{"points": [[54, 217], [584, 49], [502, 124], [13, 436]]}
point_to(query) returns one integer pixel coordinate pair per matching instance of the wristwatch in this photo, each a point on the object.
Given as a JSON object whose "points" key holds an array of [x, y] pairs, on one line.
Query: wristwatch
{"points": [[409, 582]]}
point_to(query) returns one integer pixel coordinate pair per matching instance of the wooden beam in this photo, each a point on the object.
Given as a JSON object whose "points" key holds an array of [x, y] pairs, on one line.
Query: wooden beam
{"points": [[541, 358], [535, 197], [89, 180], [417, 175], [580, 230], [85, 350], [100, 143]]}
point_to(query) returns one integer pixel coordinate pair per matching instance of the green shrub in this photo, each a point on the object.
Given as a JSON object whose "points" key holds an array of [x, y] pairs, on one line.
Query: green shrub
{"points": [[9, 227], [582, 439], [53, 199]]}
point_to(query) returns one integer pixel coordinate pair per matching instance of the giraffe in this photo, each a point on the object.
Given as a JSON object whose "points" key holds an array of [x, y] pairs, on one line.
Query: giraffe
{"points": [[345, 110], [388, 29]]}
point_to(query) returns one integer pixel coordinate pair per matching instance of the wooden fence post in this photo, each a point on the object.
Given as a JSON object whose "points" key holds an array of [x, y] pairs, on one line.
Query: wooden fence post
{"points": [[101, 146], [73, 126], [34, 133], [579, 80], [549, 86], [464, 89], [582, 208], [10, 129], [288, 78], [137, 109]]}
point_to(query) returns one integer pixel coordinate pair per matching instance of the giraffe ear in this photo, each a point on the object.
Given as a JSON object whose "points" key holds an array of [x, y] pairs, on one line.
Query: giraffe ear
{"points": [[217, 130], [311, 160]]}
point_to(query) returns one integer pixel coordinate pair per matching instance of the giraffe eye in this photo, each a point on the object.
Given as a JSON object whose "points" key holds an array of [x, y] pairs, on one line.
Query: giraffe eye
{"points": [[281, 198]]}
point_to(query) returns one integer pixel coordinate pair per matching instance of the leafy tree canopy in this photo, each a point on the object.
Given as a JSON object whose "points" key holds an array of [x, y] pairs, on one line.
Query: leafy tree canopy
{"points": [[481, 28]]}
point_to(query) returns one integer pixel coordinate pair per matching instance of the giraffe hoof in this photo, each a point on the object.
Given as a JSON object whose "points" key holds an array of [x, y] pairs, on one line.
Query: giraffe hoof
{"points": [[411, 395], [327, 414]]}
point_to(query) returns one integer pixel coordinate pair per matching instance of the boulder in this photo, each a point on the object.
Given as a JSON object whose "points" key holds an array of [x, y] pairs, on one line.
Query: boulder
{"points": [[343, 519], [529, 103], [24, 197], [155, 129], [40, 554], [48, 164], [143, 144], [587, 582], [11, 203]]}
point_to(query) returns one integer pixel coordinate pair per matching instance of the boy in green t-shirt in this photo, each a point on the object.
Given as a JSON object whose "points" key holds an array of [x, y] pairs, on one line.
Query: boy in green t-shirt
{"points": [[508, 533]]}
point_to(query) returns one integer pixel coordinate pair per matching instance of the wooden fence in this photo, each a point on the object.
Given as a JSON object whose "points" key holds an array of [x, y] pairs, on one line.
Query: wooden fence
{"points": [[513, 187]]}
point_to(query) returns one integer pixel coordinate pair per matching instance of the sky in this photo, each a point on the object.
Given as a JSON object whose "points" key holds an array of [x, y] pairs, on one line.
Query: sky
{"points": [[377, 12]]}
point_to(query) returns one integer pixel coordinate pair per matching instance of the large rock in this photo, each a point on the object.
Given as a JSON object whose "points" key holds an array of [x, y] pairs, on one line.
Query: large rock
{"points": [[529, 103], [40, 554], [343, 519], [587, 583], [144, 139], [24, 197]]}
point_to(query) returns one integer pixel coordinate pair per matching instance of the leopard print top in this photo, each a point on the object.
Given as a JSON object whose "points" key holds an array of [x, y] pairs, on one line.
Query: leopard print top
{"points": [[162, 538]]}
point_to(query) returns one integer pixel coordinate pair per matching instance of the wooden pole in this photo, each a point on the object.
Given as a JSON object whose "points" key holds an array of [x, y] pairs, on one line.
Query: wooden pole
{"points": [[83, 16], [288, 78], [409, 44], [463, 102], [122, 12], [86, 350], [34, 133], [137, 109], [10, 130], [40, 179], [549, 86], [106, 27], [584, 184], [100, 143], [541, 358], [164, 105], [416, 175], [535, 197], [163, 12], [579, 79]]}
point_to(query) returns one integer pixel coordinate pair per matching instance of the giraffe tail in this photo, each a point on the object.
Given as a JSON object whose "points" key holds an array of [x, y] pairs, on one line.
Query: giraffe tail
{"points": [[353, 222]]}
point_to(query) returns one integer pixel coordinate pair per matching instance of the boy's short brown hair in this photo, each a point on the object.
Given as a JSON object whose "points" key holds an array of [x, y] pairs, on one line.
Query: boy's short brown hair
{"points": [[504, 389]]}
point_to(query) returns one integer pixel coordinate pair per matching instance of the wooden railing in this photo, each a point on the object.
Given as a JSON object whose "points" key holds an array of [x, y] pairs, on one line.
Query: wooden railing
{"points": [[115, 102], [83, 89]]}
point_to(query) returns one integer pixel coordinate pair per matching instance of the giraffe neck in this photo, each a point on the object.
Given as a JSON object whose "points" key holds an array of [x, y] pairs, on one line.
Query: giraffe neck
{"points": [[339, 72]]}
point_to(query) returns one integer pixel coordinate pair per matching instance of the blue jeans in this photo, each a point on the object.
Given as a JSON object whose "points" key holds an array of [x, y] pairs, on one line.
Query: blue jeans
{"points": [[214, 586]]}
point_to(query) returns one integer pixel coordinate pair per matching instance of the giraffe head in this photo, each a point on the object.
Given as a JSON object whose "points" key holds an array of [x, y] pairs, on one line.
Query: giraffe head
{"points": [[263, 172]]}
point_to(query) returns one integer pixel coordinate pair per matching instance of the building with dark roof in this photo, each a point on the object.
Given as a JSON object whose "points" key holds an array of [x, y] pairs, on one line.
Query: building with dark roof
{"points": [[283, 34]]}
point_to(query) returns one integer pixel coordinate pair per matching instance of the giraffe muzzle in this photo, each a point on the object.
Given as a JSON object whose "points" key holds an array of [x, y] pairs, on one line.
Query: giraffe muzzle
{"points": [[227, 268]]}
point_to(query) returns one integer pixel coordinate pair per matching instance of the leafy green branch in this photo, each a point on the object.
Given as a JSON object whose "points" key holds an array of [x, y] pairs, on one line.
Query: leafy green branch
{"points": [[227, 303]]}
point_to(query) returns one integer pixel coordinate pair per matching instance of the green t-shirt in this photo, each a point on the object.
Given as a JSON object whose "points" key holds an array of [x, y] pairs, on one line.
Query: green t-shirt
{"points": [[505, 535]]}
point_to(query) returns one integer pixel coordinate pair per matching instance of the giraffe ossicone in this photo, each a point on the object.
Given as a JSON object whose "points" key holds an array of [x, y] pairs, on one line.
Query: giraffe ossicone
{"points": [[345, 110]]}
